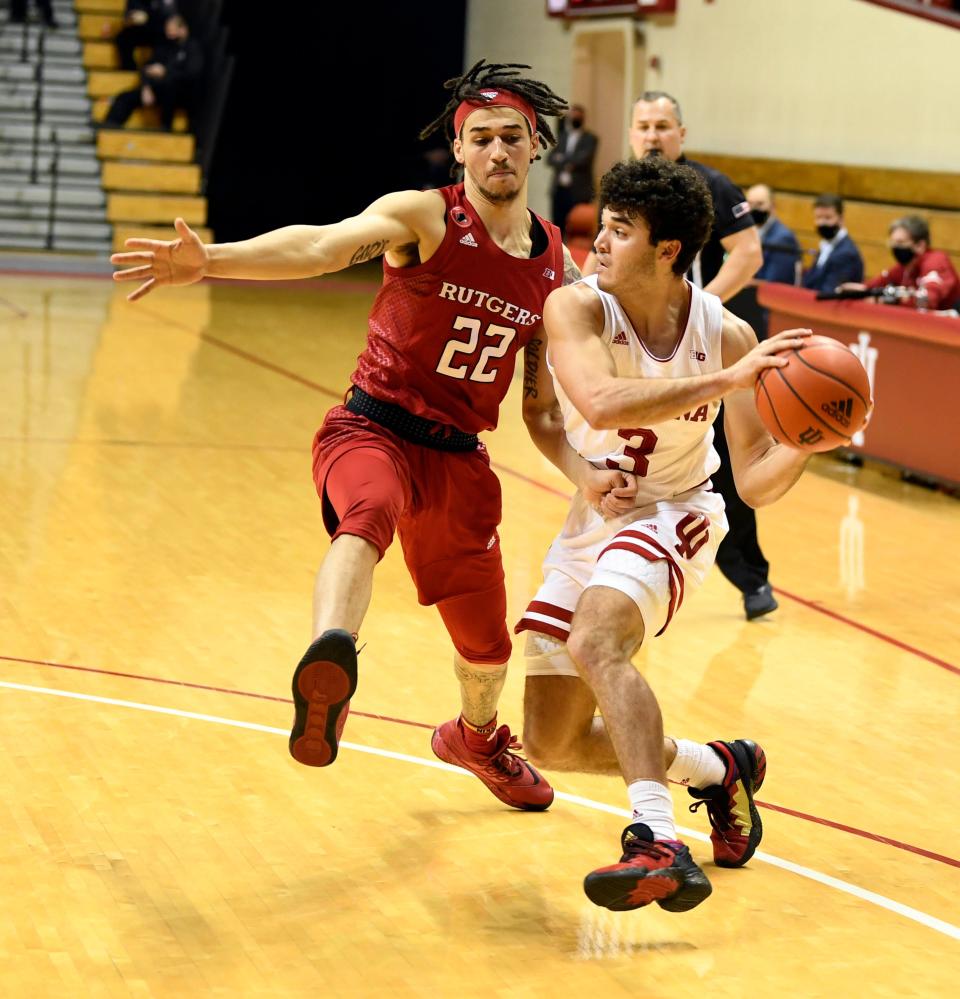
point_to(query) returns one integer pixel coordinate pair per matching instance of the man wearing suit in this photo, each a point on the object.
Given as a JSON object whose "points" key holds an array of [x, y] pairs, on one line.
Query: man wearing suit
{"points": [[781, 251], [839, 260], [572, 162]]}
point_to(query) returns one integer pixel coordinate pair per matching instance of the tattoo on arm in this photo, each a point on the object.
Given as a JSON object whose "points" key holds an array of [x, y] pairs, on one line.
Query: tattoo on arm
{"points": [[531, 368], [571, 272], [369, 251]]}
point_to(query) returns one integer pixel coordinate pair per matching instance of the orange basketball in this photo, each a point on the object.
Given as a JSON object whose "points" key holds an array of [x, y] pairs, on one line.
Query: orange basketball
{"points": [[819, 400]]}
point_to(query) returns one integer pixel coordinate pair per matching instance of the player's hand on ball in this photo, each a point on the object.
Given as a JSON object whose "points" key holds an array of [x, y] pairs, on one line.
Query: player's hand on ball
{"points": [[158, 262], [744, 373]]}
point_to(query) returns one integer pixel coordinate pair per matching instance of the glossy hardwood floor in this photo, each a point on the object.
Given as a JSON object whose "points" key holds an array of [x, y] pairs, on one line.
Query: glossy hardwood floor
{"points": [[159, 538]]}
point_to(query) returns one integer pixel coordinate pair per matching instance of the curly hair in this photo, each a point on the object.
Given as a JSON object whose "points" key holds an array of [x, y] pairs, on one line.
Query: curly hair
{"points": [[671, 198], [500, 76]]}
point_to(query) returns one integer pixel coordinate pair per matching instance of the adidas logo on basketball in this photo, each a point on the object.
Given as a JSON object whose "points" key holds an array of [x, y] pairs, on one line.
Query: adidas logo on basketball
{"points": [[468, 240], [839, 410], [621, 339]]}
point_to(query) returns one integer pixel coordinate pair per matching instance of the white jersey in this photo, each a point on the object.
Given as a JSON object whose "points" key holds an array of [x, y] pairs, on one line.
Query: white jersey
{"points": [[668, 458]]}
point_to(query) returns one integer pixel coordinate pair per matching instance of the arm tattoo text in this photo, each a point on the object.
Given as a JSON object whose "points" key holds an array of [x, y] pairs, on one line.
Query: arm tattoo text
{"points": [[531, 368], [369, 251]]}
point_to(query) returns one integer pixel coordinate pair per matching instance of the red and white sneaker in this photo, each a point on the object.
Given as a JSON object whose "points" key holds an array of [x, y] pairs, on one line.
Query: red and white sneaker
{"points": [[323, 684], [507, 775], [661, 872], [737, 829]]}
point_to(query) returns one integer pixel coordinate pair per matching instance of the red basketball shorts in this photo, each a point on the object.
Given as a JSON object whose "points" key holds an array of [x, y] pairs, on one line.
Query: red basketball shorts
{"points": [[445, 507]]}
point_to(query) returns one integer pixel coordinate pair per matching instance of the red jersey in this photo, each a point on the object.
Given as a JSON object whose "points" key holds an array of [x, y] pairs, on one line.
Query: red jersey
{"points": [[932, 271], [444, 335]]}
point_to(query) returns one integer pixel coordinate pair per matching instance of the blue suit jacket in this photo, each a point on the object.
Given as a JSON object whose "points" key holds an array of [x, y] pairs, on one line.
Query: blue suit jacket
{"points": [[781, 251], [843, 264]]}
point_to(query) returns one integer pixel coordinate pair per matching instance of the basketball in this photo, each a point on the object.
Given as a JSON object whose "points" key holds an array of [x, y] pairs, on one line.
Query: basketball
{"points": [[818, 400]]}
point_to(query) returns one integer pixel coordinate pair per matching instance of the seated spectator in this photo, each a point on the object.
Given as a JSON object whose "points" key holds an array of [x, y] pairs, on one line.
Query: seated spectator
{"points": [[169, 81], [143, 25], [781, 251], [839, 259], [930, 272]]}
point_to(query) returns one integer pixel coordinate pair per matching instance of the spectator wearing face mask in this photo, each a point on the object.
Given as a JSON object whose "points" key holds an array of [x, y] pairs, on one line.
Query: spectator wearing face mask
{"points": [[781, 251], [838, 260], [572, 162], [930, 272]]}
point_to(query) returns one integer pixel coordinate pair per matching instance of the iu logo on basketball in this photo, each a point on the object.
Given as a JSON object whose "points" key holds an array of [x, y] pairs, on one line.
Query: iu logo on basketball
{"points": [[811, 435]]}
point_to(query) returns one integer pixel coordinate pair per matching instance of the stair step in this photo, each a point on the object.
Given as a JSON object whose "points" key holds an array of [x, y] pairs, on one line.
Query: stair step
{"points": [[53, 43], [132, 145], [156, 208], [22, 162], [66, 213], [39, 194], [96, 27], [109, 83], [39, 227], [103, 55], [50, 91], [66, 135], [26, 72], [49, 104], [141, 118], [99, 247], [166, 178]]}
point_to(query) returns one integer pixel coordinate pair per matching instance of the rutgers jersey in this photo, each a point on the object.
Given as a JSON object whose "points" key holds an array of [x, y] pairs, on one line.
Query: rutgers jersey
{"points": [[444, 335], [668, 458]]}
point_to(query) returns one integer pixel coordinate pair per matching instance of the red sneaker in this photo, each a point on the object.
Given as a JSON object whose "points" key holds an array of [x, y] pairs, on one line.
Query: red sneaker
{"points": [[661, 872], [737, 829], [507, 775], [323, 684]]}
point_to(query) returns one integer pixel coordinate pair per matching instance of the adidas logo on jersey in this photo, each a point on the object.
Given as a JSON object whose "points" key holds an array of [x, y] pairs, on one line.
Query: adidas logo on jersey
{"points": [[468, 240], [621, 339], [839, 410]]}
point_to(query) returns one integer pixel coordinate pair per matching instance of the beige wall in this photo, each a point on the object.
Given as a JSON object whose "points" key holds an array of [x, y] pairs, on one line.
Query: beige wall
{"points": [[824, 80]]}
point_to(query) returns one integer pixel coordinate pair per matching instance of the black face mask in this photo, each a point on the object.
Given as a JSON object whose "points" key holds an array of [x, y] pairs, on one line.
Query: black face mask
{"points": [[575, 122], [828, 231], [903, 254], [759, 217]]}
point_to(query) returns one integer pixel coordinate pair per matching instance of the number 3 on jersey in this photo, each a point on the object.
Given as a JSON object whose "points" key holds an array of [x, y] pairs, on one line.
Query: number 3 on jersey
{"points": [[491, 352], [640, 443]]}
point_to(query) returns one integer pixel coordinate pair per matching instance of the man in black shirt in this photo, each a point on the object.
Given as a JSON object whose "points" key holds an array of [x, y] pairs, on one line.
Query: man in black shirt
{"points": [[730, 258], [169, 81]]}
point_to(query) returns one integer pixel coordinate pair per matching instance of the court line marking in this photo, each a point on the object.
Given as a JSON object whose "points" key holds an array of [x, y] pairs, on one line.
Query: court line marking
{"points": [[923, 918], [270, 366], [829, 823]]}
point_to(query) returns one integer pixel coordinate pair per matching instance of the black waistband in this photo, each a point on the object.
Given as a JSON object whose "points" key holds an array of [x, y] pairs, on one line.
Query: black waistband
{"points": [[415, 429]]}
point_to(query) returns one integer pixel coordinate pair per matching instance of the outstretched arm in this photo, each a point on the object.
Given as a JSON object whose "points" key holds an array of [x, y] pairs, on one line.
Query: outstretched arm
{"points": [[744, 258], [392, 223]]}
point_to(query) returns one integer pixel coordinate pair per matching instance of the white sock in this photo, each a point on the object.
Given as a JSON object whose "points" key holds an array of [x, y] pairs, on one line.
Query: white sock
{"points": [[653, 806], [696, 765]]}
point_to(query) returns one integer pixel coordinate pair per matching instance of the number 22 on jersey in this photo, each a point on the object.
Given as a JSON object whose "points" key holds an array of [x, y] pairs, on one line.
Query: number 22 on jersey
{"points": [[461, 368]]}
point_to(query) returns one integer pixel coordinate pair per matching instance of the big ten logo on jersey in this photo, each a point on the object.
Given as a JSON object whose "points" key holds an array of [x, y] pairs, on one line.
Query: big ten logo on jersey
{"points": [[867, 356]]}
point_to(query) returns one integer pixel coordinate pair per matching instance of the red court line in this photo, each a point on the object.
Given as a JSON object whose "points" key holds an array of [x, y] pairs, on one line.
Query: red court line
{"points": [[812, 605], [820, 609], [404, 721], [861, 832], [199, 686]]}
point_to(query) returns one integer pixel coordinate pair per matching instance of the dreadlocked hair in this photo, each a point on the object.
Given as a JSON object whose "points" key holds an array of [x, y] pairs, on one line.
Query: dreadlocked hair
{"points": [[498, 76]]}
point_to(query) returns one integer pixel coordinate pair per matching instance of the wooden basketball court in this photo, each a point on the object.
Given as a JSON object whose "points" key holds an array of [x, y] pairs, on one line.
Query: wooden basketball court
{"points": [[158, 545]]}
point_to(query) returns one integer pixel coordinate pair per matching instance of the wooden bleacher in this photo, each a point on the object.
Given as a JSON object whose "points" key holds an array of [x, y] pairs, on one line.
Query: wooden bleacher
{"points": [[873, 198], [149, 175]]}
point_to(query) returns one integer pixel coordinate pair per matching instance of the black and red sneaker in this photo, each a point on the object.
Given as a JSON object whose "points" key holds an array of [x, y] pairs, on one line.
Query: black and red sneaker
{"points": [[508, 776], [737, 829], [660, 871], [323, 684]]}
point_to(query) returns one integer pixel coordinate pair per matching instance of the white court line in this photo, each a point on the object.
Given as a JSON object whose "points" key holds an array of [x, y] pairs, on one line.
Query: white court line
{"points": [[931, 922]]}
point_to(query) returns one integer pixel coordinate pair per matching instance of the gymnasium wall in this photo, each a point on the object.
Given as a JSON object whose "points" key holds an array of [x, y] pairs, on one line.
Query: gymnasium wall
{"points": [[823, 80]]}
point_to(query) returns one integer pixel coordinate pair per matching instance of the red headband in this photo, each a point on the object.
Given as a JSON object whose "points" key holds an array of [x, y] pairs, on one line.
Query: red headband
{"points": [[493, 98]]}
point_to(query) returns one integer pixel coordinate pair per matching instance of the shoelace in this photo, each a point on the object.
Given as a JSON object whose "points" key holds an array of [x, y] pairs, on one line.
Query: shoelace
{"points": [[633, 847], [503, 759], [718, 810]]}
